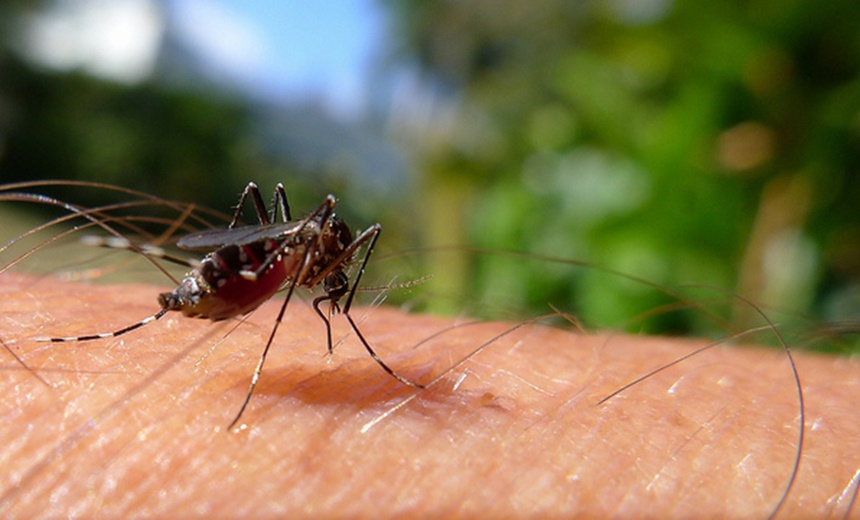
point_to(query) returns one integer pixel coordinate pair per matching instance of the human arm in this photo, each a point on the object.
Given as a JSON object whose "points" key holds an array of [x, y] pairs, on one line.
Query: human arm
{"points": [[131, 426]]}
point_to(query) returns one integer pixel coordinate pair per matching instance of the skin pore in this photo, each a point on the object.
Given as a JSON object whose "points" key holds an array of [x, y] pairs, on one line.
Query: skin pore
{"points": [[134, 425]]}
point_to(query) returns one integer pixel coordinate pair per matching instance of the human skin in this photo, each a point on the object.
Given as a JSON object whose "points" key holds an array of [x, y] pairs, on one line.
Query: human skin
{"points": [[130, 426]]}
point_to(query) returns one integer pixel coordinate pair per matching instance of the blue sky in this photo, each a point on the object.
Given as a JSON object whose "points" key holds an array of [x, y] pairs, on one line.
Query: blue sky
{"points": [[279, 48], [274, 48]]}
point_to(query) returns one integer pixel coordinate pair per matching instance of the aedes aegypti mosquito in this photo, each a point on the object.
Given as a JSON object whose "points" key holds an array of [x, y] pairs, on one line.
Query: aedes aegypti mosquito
{"points": [[247, 265]]}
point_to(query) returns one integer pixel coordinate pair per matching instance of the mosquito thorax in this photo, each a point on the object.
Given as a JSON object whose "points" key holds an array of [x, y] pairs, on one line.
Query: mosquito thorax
{"points": [[334, 238]]}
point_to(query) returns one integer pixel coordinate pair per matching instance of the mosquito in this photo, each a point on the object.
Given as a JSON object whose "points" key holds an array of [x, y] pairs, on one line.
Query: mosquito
{"points": [[247, 265]]}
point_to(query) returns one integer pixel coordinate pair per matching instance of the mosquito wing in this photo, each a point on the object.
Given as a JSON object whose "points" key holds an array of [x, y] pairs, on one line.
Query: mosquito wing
{"points": [[217, 238]]}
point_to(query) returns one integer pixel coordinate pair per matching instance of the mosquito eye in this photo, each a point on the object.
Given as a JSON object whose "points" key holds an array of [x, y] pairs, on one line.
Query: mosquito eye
{"points": [[336, 285]]}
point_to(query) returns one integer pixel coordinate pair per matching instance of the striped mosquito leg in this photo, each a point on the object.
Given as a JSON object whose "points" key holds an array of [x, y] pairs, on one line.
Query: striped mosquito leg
{"points": [[106, 335], [146, 249], [262, 361], [279, 201], [260, 206]]}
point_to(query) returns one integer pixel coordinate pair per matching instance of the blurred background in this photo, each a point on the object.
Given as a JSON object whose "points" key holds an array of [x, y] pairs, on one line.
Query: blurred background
{"points": [[712, 142]]}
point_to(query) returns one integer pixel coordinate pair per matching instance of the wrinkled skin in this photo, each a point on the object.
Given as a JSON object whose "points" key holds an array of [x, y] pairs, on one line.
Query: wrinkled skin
{"points": [[130, 426]]}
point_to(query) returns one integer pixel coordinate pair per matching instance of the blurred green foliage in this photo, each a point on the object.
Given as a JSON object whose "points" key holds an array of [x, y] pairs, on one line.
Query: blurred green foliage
{"points": [[712, 142], [178, 144]]}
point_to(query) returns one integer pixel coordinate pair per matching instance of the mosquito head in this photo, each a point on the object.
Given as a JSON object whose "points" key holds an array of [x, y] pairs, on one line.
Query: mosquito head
{"points": [[186, 296], [336, 285]]}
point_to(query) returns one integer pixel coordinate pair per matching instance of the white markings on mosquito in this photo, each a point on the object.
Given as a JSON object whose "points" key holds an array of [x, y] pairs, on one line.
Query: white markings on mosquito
{"points": [[247, 265], [114, 242]]}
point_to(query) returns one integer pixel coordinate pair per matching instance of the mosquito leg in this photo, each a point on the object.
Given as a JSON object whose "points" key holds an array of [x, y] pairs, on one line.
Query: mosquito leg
{"points": [[326, 209], [280, 202], [106, 335], [376, 358], [93, 215], [338, 263], [145, 250], [262, 360], [326, 320], [259, 205], [371, 233]]}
